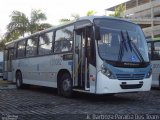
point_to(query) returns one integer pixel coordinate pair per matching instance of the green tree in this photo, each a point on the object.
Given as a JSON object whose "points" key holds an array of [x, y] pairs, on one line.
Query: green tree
{"points": [[2, 42], [20, 24], [73, 17], [119, 11], [64, 20], [76, 16], [2, 45], [11, 35], [91, 12]]}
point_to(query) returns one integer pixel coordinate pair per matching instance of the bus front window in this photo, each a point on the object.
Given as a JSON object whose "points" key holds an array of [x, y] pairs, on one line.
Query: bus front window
{"points": [[109, 44], [121, 41]]}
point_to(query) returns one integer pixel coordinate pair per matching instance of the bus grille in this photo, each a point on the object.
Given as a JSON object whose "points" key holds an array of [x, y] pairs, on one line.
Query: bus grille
{"points": [[130, 76], [134, 86]]}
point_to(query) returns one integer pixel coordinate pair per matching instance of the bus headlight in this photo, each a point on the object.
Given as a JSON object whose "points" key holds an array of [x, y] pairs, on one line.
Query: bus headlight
{"points": [[107, 72], [149, 73]]}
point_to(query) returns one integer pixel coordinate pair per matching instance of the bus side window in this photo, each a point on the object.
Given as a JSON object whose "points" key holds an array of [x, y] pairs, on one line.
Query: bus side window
{"points": [[45, 44], [31, 48], [64, 39], [15, 51], [21, 49]]}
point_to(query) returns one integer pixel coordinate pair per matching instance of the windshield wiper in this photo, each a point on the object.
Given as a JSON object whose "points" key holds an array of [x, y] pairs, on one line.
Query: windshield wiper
{"points": [[121, 49], [136, 51]]}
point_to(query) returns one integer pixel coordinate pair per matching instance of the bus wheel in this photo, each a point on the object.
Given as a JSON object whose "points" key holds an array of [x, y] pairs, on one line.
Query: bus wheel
{"points": [[19, 84], [66, 85]]}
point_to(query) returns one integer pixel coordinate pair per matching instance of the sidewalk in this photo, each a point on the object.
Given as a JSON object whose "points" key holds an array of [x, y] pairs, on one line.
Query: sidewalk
{"points": [[4, 84]]}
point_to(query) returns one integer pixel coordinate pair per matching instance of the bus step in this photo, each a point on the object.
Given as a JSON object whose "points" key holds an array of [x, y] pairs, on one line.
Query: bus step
{"points": [[80, 90], [87, 89]]}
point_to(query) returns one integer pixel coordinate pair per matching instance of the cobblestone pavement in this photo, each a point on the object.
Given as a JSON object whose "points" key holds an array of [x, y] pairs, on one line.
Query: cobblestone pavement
{"points": [[43, 103]]}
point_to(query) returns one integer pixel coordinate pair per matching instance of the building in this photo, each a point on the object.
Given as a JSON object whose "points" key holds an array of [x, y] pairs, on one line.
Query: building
{"points": [[146, 13]]}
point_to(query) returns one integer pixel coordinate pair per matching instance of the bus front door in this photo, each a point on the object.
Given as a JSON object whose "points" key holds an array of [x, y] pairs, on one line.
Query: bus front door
{"points": [[81, 64]]}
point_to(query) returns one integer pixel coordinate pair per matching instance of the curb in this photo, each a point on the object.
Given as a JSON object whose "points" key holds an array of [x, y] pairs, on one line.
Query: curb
{"points": [[5, 82], [6, 85]]}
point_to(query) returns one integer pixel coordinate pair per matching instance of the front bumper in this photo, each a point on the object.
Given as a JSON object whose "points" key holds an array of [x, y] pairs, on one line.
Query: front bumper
{"points": [[106, 85]]}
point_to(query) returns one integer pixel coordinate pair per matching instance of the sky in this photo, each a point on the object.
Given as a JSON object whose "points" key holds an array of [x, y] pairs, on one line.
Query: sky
{"points": [[54, 9]]}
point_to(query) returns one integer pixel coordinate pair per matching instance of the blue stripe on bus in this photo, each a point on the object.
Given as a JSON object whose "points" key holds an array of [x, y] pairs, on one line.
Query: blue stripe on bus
{"points": [[70, 63]]}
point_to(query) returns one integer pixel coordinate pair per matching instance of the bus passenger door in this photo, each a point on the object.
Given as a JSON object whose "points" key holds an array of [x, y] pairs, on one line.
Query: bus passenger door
{"points": [[77, 74], [82, 58], [8, 56]]}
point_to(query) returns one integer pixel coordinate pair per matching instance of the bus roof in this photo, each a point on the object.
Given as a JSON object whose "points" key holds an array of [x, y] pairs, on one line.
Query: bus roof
{"points": [[90, 18]]}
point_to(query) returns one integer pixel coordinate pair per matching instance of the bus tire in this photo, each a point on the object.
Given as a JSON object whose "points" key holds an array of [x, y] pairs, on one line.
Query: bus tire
{"points": [[66, 85], [19, 83]]}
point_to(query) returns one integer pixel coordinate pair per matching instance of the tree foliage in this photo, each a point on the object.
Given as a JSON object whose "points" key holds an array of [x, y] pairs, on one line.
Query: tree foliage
{"points": [[20, 24], [76, 16], [119, 11], [64, 20], [2, 45], [91, 12], [72, 17]]}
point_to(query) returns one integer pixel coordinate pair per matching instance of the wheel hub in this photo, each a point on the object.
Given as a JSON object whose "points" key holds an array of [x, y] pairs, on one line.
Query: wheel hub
{"points": [[18, 82], [66, 85]]}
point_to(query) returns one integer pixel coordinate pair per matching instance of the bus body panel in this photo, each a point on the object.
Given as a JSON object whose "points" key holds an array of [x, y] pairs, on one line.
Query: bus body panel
{"points": [[92, 78], [155, 73], [41, 70]]}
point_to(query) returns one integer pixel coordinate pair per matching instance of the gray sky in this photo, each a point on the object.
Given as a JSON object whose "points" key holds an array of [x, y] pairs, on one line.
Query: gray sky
{"points": [[54, 9]]}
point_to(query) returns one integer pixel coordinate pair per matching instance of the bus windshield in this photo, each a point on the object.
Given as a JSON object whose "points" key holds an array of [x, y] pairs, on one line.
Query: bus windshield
{"points": [[121, 41]]}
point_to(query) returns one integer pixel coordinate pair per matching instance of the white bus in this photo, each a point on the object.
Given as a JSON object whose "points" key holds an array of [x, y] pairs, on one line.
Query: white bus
{"points": [[154, 54], [99, 55]]}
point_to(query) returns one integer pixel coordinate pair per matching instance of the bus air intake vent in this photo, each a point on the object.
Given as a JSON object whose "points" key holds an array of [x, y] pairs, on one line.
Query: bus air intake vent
{"points": [[130, 76], [134, 86]]}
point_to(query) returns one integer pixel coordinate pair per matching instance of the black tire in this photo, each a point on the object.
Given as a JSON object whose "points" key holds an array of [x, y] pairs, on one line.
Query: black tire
{"points": [[66, 85], [59, 87], [19, 83]]}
